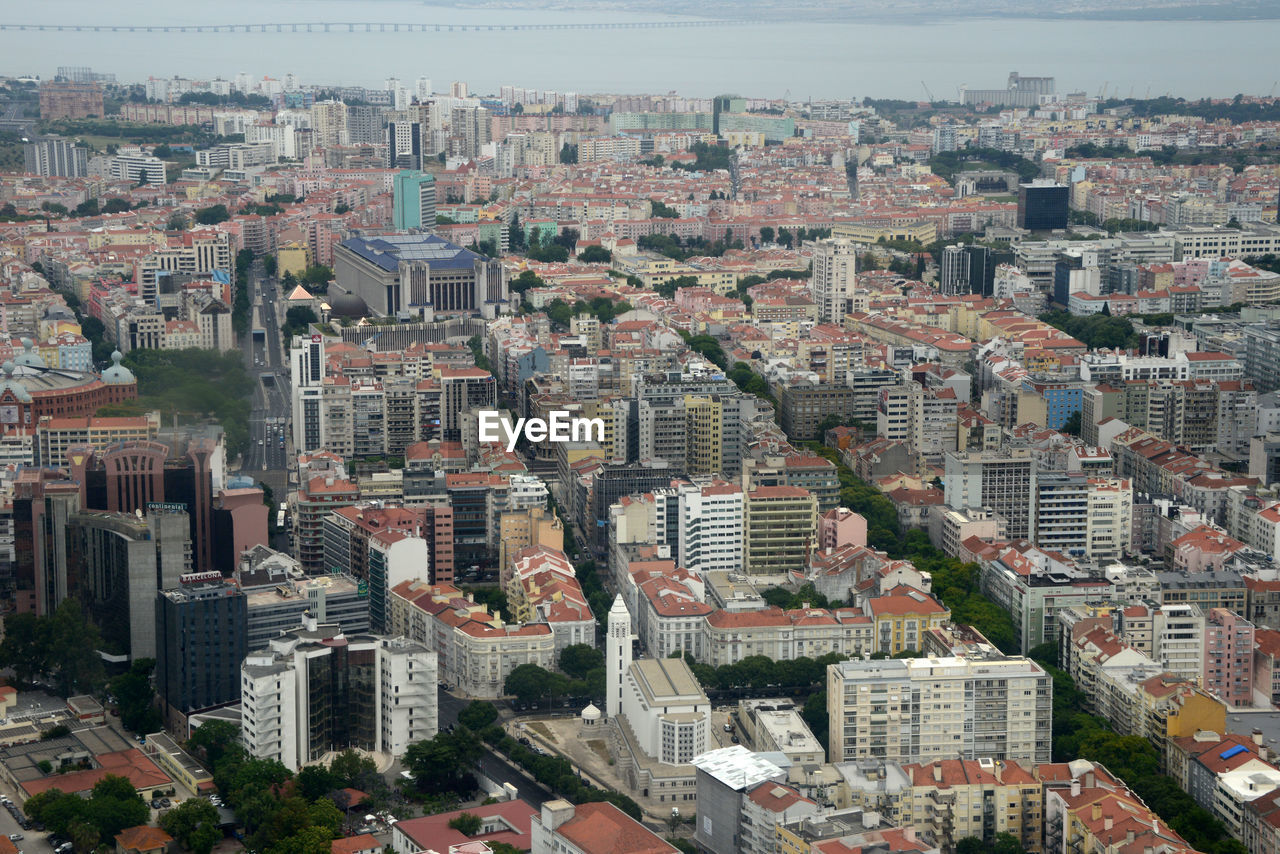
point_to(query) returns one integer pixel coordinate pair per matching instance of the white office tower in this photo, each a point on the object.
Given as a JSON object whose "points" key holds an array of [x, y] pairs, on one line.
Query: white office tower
{"points": [[835, 267], [618, 654], [422, 89], [307, 364]]}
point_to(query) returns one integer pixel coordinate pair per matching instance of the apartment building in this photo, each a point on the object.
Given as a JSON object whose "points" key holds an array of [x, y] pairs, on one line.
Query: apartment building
{"points": [[835, 264], [954, 799], [1085, 518], [920, 710], [314, 690], [730, 636], [476, 650], [712, 526], [780, 525], [1001, 482]]}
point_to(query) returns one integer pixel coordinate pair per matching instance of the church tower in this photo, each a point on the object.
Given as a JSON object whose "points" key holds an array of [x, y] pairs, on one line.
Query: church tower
{"points": [[618, 655]]}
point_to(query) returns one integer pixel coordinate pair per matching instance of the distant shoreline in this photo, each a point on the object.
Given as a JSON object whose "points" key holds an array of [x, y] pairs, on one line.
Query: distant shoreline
{"points": [[922, 16]]}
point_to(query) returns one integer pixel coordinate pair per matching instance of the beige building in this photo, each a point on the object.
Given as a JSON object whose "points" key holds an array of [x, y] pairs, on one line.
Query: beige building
{"points": [[957, 798], [982, 706], [781, 522], [476, 649], [781, 635], [533, 526]]}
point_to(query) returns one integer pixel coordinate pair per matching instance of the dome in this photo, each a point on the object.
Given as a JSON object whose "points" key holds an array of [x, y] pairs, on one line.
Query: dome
{"points": [[18, 389], [29, 358], [591, 712], [118, 374], [347, 305]]}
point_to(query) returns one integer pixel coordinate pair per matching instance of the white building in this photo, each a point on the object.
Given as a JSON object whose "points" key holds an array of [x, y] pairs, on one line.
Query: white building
{"points": [[291, 711], [988, 706], [711, 527], [667, 710], [617, 655], [834, 278], [1177, 640]]}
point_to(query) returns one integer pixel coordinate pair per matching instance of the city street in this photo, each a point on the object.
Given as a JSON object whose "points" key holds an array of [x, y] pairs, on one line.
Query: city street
{"points": [[267, 456]]}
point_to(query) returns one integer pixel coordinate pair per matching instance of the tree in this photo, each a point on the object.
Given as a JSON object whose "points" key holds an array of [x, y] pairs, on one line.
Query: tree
{"points": [[1072, 425], [526, 280], [663, 211], [442, 763], [466, 824], [211, 741], [59, 731], [269, 264], [316, 275], [212, 215], [194, 824], [84, 836], [115, 206], [766, 234], [136, 697], [298, 319], [530, 683], [595, 255], [177, 222], [350, 768], [72, 650], [569, 154], [24, 647], [478, 715], [308, 840], [316, 781], [579, 659]]}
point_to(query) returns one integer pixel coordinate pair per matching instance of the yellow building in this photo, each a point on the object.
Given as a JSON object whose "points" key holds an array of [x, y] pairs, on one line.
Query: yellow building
{"points": [[1173, 708], [955, 798], [922, 231], [902, 618], [703, 434], [534, 526], [292, 258], [780, 524]]}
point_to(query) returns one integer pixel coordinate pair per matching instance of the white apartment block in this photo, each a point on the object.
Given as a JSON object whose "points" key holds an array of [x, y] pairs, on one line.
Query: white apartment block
{"points": [[291, 712], [711, 526], [1177, 639], [924, 709], [835, 265]]}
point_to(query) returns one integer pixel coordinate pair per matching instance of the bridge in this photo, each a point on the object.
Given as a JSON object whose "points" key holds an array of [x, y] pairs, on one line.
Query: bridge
{"points": [[361, 27]]}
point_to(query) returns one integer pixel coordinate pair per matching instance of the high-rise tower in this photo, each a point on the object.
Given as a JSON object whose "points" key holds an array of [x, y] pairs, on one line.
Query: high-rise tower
{"points": [[617, 654]]}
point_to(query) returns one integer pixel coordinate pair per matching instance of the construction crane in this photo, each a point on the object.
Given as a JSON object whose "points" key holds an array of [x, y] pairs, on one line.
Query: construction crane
{"points": [[927, 92], [1272, 93]]}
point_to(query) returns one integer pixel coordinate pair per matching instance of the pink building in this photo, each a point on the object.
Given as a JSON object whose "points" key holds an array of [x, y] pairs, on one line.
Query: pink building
{"points": [[1204, 549], [842, 527], [1228, 657]]}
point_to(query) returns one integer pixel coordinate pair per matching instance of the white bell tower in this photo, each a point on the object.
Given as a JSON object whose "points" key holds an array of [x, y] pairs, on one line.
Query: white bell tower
{"points": [[618, 655]]}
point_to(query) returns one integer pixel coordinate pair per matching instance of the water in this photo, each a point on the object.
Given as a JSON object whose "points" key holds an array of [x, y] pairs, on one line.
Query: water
{"points": [[800, 59]]}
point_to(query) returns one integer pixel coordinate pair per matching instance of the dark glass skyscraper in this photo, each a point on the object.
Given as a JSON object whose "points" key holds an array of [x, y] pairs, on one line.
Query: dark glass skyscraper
{"points": [[1042, 206], [201, 641]]}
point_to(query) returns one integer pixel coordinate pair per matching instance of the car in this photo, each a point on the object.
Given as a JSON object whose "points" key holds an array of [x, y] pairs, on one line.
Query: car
{"points": [[155, 803], [16, 837], [166, 803], [735, 740], [38, 827], [728, 727]]}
